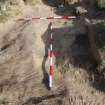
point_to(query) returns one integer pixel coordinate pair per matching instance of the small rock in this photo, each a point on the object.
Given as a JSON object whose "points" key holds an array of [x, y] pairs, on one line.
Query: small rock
{"points": [[80, 10]]}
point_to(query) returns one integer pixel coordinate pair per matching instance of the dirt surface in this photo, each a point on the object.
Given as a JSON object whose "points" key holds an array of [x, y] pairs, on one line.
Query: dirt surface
{"points": [[24, 66]]}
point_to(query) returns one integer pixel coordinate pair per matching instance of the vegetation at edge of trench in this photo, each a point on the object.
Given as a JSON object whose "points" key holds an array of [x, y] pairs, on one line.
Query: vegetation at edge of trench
{"points": [[100, 39], [101, 4]]}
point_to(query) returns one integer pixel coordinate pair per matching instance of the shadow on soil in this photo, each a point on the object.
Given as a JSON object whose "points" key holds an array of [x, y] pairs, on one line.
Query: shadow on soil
{"points": [[37, 100], [66, 11], [71, 47]]}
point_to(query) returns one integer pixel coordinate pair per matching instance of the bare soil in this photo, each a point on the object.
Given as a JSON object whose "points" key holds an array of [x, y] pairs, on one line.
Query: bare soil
{"points": [[24, 65]]}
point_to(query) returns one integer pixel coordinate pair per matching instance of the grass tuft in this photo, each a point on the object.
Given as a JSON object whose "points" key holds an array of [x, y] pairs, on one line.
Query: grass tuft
{"points": [[9, 14]]}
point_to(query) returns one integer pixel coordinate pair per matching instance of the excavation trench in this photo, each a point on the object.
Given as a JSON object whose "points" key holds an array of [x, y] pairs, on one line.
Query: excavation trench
{"points": [[29, 66]]}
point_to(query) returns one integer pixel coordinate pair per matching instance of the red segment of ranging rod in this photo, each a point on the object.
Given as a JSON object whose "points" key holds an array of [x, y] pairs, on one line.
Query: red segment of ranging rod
{"points": [[65, 17], [51, 70], [35, 18], [51, 53], [49, 17]]}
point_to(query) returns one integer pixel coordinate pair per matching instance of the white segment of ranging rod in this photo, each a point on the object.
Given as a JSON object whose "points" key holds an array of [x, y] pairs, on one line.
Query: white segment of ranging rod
{"points": [[51, 47], [50, 81]]}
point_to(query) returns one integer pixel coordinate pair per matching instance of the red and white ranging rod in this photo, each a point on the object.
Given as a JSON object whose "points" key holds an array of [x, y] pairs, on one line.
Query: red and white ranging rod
{"points": [[44, 18], [51, 57]]}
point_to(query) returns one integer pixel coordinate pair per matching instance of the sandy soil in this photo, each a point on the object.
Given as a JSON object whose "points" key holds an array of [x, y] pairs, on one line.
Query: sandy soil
{"points": [[24, 68]]}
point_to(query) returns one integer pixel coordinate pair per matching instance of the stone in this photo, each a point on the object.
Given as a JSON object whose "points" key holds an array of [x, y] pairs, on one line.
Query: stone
{"points": [[80, 10]]}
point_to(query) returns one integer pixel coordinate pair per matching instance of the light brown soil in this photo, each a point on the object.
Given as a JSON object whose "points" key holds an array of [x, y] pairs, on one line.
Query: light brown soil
{"points": [[21, 59]]}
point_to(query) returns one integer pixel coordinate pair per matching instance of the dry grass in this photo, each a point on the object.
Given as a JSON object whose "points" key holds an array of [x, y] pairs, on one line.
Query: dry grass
{"points": [[31, 2], [9, 14]]}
